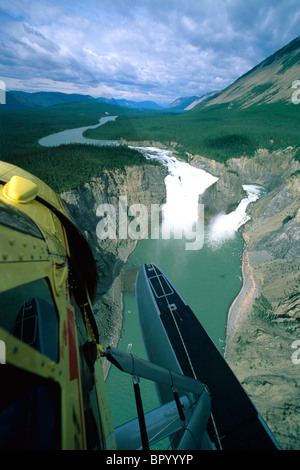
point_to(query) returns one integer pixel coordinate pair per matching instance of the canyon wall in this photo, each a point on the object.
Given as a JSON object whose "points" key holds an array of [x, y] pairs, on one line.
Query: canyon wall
{"points": [[264, 320], [141, 185]]}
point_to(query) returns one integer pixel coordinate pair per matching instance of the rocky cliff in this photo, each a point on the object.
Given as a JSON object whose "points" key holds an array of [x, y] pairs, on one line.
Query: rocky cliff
{"points": [[264, 320], [141, 185]]}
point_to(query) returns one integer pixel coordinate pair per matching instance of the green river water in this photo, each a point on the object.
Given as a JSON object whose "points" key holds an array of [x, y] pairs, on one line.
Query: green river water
{"points": [[208, 279]]}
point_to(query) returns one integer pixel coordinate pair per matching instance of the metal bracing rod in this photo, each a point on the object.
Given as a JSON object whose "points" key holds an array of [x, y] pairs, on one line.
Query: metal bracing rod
{"points": [[135, 366], [161, 423], [140, 411]]}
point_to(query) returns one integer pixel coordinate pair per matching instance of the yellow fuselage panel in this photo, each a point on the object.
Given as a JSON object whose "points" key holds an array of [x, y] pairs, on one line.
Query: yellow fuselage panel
{"points": [[43, 253]]}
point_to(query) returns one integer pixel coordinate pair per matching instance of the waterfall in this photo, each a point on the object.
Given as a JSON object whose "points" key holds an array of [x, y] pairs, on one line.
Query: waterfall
{"points": [[184, 184], [225, 226]]}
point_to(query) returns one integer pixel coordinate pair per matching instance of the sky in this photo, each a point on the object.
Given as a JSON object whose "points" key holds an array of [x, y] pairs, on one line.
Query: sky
{"points": [[154, 50]]}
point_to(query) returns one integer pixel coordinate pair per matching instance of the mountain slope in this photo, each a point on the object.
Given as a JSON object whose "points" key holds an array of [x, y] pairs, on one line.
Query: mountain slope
{"points": [[42, 99], [16, 101], [201, 100], [132, 104], [267, 82], [189, 102], [180, 104]]}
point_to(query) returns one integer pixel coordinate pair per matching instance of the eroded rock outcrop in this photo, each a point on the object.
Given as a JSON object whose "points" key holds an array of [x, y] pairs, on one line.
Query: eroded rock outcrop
{"points": [[269, 169], [140, 185]]}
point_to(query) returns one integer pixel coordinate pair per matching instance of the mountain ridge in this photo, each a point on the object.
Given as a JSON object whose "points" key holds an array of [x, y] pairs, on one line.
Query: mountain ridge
{"points": [[269, 81], [20, 100], [131, 104], [42, 99]]}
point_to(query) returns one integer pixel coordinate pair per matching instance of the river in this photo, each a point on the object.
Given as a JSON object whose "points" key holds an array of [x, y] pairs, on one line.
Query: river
{"points": [[75, 136], [207, 274]]}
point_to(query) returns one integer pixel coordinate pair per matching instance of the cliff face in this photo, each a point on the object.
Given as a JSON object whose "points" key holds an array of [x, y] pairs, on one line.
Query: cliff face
{"points": [[264, 320], [141, 185], [261, 346], [270, 169]]}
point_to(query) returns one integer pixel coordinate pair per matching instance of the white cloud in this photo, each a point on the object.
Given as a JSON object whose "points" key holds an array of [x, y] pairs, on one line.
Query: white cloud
{"points": [[142, 48]]}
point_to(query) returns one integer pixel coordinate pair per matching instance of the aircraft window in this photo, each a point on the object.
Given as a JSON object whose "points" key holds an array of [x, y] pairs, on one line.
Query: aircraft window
{"points": [[90, 401], [28, 312], [17, 220], [29, 411]]}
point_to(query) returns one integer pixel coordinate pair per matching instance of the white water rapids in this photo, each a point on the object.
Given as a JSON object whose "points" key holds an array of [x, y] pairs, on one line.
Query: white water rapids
{"points": [[182, 217], [184, 184]]}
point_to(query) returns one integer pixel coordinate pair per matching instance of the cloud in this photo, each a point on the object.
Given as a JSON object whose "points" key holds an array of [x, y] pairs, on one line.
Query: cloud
{"points": [[142, 49], [26, 53]]}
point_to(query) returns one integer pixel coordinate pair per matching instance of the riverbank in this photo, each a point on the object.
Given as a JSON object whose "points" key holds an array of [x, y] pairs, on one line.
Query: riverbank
{"points": [[242, 305], [263, 321]]}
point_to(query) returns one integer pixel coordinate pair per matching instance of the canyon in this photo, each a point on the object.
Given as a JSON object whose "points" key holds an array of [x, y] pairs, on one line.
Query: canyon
{"points": [[263, 321]]}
